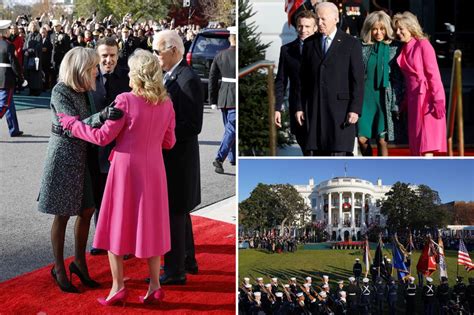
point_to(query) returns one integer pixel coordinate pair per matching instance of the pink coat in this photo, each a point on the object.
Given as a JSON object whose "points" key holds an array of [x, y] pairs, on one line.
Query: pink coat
{"points": [[134, 216], [424, 98]]}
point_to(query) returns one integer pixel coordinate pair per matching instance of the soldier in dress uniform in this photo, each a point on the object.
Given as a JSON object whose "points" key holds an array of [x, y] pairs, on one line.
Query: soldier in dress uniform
{"points": [[459, 291], [341, 304], [353, 294], [410, 296], [256, 307], [61, 45], [443, 296], [365, 297], [340, 287], [9, 71], [392, 296], [428, 296], [357, 270], [259, 285], [224, 67], [274, 284], [127, 45], [293, 285], [380, 291]]}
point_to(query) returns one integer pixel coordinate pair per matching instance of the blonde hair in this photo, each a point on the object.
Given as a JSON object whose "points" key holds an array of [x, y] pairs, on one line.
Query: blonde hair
{"points": [[146, 77], [410, 21], [76, 67], [371, 19], [33, 27]]}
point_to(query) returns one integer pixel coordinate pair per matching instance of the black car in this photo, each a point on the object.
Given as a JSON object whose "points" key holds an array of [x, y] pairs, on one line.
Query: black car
{"points": [[203, 49]]}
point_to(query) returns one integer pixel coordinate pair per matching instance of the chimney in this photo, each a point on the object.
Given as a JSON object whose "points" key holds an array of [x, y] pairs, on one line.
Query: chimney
{"points": [[379, 182], [311, 181]]}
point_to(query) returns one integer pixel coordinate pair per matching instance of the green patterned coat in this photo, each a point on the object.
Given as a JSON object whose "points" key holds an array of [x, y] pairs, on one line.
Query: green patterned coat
{"points": [[62, 182]]}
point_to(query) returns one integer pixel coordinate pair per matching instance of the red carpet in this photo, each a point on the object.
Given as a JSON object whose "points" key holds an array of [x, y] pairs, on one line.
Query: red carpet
{"points": [[212, 291], [405, 151]]}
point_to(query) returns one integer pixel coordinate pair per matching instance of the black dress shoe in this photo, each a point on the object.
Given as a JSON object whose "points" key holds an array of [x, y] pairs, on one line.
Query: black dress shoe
{"points": [[172, 280], [18, 134], [97, 251], [192, 269]]}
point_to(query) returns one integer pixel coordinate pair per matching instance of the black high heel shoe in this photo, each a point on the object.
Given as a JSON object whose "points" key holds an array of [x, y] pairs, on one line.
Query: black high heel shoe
{"points": [[85, 280], [69, 288]]}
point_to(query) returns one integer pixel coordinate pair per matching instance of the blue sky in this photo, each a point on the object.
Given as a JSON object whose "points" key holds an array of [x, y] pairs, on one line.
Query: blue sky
{"points": [[453, 179]]}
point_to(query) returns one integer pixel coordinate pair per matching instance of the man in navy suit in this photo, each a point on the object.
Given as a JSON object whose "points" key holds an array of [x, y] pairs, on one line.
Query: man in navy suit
{"points": [[289, 71], [332, 86], [111, 81], [182, 162]]}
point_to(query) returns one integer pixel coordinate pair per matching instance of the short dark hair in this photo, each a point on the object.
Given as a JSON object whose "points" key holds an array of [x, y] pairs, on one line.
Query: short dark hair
{"points": [[306, 14], [108, 41]]}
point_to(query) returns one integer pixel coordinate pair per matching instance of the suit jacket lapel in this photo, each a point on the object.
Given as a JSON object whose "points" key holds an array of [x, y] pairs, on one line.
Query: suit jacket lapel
{"points": [[335, 42], [175, 73]]}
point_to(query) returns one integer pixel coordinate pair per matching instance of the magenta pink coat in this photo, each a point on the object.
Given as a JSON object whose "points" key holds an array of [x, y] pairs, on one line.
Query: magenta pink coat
{"points": [[134, 216], [424, 98]]}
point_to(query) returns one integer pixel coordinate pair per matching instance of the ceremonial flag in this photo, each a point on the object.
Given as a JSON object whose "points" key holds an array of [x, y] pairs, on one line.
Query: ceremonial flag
{"points": [[463, 257], [398, 254], [291, 6], [366, 256], [427, 262], [443, 267], [378, 259]]}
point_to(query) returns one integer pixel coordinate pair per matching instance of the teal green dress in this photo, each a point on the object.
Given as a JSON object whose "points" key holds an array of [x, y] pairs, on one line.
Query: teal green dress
{"points": [[372, 123]]}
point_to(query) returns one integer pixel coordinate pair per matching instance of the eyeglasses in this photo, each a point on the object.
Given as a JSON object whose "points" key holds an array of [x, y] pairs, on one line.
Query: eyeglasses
{"points": [[159, 52]]}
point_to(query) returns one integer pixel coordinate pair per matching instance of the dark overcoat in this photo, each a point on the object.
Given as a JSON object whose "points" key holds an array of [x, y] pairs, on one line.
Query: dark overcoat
{"points": [[182, 162], [332, 85], [62, 181], [33, 46], [288, 71], [223, 66]]}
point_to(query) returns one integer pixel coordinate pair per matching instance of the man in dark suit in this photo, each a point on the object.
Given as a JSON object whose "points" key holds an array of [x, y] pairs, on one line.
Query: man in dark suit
{"points": [[288, 72], [332, 86], [182, 162], [45, 58], [9, 71], [61, 45], [110, 82]]}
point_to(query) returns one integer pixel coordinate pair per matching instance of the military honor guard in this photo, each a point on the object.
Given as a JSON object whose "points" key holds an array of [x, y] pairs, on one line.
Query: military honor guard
{"points": [[365, 297], [428, 296], [392, 296], [353, 294], [357, 270], [380, 292], [443, 296], [410, 296]]}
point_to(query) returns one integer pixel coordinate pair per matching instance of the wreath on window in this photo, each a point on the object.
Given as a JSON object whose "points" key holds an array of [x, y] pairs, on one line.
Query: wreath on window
{"points": [[346, 205]]}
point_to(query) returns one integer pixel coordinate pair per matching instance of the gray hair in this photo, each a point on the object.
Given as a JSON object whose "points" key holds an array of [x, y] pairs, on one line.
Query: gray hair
{"points": [[328, 5], [170, 38], [370, 20]]}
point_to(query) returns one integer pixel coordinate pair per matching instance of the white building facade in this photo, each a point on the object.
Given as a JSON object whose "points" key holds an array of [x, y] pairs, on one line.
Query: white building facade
{"points": [[346, 205]]}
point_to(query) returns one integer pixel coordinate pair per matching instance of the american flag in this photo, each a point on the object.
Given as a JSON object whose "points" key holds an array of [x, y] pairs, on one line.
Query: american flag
{"points": [[463, 257], [291, 6]]}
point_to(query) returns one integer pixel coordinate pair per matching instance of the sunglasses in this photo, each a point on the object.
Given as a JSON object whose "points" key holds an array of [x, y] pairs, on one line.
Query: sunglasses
{"points": [[159, 52]]}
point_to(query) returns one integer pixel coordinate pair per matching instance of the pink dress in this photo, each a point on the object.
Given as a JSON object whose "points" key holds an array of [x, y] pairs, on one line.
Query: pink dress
{"points": [[424, 98], [134, 217]]}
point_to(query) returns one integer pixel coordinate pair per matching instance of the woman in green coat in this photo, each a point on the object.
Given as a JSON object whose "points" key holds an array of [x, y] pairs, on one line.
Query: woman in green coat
{"points": [[66, 186], [383, 83]]}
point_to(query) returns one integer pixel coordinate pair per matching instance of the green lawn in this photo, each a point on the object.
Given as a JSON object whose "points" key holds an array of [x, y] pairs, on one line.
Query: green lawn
{"points": [[337, 264]]}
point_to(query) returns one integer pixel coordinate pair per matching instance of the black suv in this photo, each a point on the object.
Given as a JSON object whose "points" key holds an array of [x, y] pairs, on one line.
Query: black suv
{"points": [[202, 51]]}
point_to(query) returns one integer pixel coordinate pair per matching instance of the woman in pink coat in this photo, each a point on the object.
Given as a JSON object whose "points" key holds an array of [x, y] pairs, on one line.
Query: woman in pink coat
{"points": [[134, 214], [424, 92]]}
